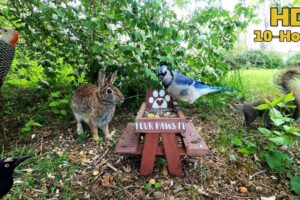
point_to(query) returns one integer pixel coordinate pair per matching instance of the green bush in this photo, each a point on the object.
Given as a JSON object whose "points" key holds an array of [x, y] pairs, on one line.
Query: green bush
{"points": [[131, 36], [294, 59], [276, 60], [254, 59]]}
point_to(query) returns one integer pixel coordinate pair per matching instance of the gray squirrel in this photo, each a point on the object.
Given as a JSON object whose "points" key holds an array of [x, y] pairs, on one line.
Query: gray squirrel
{"points": [[284, 80]]}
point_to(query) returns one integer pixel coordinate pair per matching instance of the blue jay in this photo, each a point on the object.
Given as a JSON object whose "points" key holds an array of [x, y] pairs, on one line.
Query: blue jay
{"points": [[184, 88]]}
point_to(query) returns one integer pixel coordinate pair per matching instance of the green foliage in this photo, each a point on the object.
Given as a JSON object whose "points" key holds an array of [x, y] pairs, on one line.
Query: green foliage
{"points": [[284, 134], [295, 183], [133, 37], [254, 59], [232, 157], [58, 104], [149, 186], [285, 130], [281, 102], [278, 161], [244, 146], [294, 59], [30, 125]]}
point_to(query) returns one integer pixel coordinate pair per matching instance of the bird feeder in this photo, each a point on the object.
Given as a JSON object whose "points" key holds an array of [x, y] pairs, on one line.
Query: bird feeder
{"points": [[161, 128]]}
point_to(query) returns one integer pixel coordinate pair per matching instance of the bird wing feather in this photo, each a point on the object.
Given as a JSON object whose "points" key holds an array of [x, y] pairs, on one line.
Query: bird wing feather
{"points": [[183, 80]]}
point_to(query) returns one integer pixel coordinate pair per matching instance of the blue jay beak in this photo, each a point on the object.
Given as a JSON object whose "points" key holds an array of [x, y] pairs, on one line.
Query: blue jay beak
{"points": [[161, 77]]}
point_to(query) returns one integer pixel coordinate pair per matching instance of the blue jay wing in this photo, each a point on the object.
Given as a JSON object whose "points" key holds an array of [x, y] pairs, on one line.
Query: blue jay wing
{"points": [[182, 80], [200, 85]]}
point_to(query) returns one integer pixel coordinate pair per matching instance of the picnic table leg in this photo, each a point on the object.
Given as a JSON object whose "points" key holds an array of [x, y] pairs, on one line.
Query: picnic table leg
{"points": [[149, 153], [172, 154]]}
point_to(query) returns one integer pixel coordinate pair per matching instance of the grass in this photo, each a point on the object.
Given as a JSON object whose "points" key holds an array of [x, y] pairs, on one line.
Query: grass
{"points": [[253, 83]]}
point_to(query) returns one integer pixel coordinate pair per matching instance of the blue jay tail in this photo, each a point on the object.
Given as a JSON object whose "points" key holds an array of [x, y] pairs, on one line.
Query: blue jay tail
{"points": [[224, 89]]}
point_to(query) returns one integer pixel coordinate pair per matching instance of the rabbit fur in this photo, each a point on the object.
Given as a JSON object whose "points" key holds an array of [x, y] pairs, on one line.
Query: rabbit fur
{"points": [[95, 105]]}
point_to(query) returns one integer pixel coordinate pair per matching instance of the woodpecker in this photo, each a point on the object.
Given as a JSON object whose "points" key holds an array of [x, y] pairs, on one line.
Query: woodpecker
{"points": [[8, 41]]}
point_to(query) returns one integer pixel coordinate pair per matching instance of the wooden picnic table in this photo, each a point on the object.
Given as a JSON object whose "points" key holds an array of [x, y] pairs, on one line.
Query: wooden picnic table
{"points": [[171, 137]]}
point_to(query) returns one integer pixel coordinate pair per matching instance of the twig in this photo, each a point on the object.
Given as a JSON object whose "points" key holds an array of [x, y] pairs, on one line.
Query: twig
{"points": [[267, 186], [257, 173], [102, 156], [8, 20], [42, 144], [112, 167], [239, 197], [124, 190]]}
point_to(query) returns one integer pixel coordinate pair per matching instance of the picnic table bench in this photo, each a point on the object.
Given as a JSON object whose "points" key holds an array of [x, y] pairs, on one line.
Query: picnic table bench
{"points": [[172, 137]]}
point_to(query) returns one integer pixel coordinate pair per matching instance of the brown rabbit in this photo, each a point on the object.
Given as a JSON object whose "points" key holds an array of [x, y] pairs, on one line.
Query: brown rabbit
{"points": [[96, 105]]}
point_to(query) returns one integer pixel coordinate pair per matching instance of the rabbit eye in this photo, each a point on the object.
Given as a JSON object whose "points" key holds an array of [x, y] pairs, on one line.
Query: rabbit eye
{"points": [[6, 165], [108, 91]]}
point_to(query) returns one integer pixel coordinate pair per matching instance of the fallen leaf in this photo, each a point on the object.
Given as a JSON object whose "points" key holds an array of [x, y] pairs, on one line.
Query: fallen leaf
{"points": [[106, 181], [91, 152], [45, 189]]}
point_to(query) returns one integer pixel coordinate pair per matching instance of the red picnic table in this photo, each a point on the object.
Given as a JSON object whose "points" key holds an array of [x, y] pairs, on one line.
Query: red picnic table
{"points": [[171, 136]]}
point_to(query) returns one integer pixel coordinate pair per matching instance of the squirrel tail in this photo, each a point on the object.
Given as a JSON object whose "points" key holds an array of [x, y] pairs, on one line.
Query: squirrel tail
{"points": [[285, 81], [285, 78]]}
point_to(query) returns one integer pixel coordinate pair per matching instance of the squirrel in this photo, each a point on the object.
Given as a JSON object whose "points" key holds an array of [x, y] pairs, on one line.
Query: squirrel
{"points": [[284, 80]]}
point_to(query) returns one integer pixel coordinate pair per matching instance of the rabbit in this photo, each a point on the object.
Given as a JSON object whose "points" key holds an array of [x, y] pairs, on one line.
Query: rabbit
{"points": [[96, 105]]}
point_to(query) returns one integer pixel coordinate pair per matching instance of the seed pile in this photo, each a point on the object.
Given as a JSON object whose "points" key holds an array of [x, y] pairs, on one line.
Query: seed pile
{"points": [[160, 113]]}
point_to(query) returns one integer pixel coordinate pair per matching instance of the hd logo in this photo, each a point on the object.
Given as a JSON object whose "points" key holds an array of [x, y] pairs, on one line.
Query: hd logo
{"points": [[289, 17]]}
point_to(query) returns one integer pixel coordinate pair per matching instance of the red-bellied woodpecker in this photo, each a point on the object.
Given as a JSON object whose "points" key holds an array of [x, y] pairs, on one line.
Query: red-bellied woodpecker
{"points": [[8, 41]]}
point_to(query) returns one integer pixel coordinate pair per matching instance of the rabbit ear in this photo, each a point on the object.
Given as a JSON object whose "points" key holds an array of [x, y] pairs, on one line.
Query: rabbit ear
{"points": [[101, 78], [111, 79]]}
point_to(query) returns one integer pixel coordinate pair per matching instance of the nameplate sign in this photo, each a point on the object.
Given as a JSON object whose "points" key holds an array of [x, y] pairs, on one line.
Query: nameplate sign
{"points": [[160, 126]]}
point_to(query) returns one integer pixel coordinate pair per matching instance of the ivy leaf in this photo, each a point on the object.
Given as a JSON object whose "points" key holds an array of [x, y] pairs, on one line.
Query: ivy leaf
{"points": [[64, 101], [284, 140], [289, 97], [295, 184], [265, 132], [263, 107], [236, 141], [53, 104], [55, 94], [247, 150], [277, 160], [63, 112], [292, 130], [277, 101]]}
